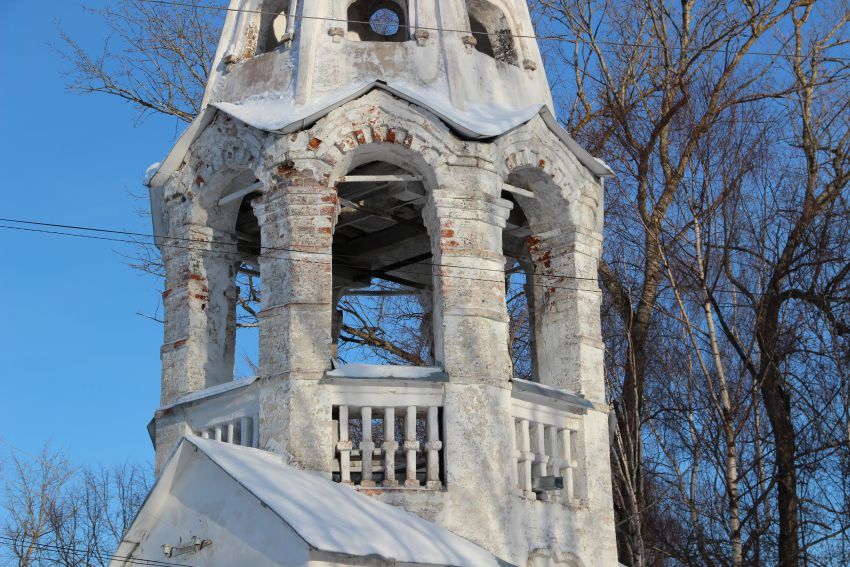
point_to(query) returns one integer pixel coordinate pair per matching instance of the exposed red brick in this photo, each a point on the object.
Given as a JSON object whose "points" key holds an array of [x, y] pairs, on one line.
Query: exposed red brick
{"points": [[315, 143], [541, 164], [359, 136], [391, 135], [408, 141], [199, 181], [447, 233]]}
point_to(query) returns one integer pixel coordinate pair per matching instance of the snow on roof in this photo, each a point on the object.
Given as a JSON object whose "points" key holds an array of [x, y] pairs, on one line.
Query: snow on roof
{"points": [[279, 113], [337, 519], [547, 394], [150, 172], [358, 370], [211, 391]]}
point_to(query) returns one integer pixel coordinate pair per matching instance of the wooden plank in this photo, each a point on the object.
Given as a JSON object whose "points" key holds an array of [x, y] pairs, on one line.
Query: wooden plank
{"points": [[258, 186], [377, 178], [517, 190]]}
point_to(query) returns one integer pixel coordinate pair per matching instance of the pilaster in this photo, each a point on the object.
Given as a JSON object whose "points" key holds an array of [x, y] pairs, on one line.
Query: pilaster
{"points": [[471, 328], [199, 302], [296, 219], [566, 302], [471, 332]]}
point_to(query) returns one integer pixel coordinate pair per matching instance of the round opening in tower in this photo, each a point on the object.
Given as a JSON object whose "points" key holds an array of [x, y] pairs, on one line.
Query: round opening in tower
{"points": [[377, 20], [384, 22], [382, 269]]}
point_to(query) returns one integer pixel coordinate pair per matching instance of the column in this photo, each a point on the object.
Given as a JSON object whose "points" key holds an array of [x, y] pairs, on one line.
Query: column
{"points": [[296, 216], [567, 322], [199, 303], [465, 220]]}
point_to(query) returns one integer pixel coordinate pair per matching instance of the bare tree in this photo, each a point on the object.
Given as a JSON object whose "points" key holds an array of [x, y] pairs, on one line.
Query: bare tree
{"points": [[57, 514], [157, 57], [653, 83]]}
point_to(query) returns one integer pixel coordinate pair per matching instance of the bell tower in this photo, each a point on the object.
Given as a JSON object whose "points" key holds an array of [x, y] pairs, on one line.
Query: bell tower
{"points": [[424, 238]]}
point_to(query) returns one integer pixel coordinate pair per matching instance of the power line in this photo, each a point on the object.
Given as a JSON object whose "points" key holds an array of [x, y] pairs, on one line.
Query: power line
{"points": [[402, 25], [222, 243], [342, 264], [190, 247], [59, 548]]}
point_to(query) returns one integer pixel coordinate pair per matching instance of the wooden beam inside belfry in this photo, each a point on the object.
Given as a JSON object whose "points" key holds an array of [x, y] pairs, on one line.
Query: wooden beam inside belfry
{"points": [[381, 214], [377, 178], [258, 186], [517, 190]]}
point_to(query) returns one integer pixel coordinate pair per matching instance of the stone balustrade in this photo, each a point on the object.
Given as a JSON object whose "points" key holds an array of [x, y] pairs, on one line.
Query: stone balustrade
{"points": [[388, 446], [243, 431], [388, 429], [387, 424], [547, 424], [228, 412]]}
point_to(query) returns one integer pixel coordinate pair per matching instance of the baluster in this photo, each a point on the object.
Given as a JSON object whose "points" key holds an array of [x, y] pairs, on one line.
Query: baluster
{"points": [[433, 447], [231, 432], [515, 435], [411, 445], [217, 430], [244, 424], [526, 458], [390, 445], [567, 465], [205, 433], [552, 450], [255, 431], [367, 446], [344, 447], [541, 460]]}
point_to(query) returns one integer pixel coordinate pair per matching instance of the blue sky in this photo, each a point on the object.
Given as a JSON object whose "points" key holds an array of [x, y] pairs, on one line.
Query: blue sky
{"points": [[78, 366]]}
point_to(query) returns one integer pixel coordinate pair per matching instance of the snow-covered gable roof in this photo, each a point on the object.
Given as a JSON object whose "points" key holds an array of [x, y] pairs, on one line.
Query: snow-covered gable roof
{"points": [[333, 518]]}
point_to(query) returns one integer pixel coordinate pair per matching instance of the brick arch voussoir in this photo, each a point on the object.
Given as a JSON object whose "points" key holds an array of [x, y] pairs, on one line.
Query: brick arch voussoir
{"points": [[337, 138], [534, 146]]}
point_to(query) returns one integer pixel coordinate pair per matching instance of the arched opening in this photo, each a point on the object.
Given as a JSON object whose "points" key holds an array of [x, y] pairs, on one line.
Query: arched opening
{"points": [[382, 273], [275, 24], [223, 263], [247, 305], [519, 292], [491, 30], [377, 20]]}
